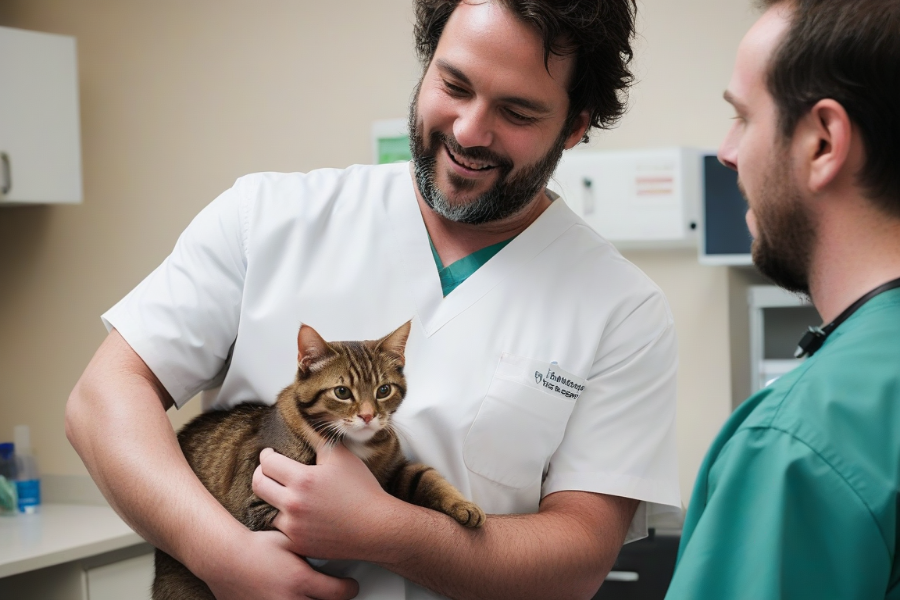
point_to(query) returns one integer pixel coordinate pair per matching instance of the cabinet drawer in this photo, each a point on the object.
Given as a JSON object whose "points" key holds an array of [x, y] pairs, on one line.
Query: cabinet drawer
{"points": [[130, 578]]}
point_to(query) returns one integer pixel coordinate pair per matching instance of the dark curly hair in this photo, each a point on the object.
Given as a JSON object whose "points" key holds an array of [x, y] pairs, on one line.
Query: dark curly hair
{"points": [[597, 32], [848, 52]]}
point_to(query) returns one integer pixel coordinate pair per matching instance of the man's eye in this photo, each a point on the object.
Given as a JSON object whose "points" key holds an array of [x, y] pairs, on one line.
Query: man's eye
{"points": [[342, 393], [519, 117], [454, 90]]}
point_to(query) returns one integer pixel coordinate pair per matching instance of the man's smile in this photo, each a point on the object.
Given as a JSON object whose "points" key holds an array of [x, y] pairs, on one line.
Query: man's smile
{"points": [[472, 165]]}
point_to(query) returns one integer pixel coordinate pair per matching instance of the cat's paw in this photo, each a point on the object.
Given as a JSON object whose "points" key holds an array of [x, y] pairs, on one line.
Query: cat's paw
{"points": [[467, 514]]}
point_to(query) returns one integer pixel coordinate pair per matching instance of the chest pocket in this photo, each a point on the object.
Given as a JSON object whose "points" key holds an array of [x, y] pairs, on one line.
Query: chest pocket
{"points": [[520, 424]]}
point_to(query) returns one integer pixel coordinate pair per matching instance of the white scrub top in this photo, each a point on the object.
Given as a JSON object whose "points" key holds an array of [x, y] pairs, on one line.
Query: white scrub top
{"points": [[552, 367]]}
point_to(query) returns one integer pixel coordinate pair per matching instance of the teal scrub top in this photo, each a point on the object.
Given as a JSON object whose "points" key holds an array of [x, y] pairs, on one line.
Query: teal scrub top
{"points": [[454, 274], [798, 495]]}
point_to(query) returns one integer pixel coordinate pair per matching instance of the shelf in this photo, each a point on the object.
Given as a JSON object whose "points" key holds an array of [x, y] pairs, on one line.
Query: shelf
{"points": [[60, 533]]}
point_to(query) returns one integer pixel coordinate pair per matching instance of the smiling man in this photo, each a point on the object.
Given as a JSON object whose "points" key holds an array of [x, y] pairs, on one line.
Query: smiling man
{"points": [[540, 364], [799, 495]]}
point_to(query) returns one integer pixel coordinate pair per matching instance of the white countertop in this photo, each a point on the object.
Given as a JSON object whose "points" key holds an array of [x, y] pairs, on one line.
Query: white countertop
{"points": [[60, 533]]}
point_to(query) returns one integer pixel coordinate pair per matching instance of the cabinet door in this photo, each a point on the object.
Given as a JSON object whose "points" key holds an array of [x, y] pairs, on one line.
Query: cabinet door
{"points": [[130, 578], [58, 582], [39, 118]]}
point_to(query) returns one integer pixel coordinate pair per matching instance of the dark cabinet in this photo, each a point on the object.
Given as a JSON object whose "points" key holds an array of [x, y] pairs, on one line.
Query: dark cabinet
{"points": [[643, 569]]}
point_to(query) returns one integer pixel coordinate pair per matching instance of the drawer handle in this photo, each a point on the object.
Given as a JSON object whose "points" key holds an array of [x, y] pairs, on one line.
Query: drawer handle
{"points": [[7, 174], [625, 576]]}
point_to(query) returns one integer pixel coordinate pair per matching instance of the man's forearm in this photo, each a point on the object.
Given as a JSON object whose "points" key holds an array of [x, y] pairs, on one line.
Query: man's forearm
{"points": [[116, 421], [565, 551]]}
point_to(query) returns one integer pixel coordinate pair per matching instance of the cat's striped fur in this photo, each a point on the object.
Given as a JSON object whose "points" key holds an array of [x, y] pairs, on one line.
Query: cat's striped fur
{"points": [[344, 392]]}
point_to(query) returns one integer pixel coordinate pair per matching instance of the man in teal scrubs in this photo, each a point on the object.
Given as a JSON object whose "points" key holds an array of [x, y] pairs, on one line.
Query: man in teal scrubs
{"points": [[798, 496]]}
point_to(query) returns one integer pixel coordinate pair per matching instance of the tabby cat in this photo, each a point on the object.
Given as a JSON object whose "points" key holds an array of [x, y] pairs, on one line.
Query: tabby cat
{"points": [[344, 392]]}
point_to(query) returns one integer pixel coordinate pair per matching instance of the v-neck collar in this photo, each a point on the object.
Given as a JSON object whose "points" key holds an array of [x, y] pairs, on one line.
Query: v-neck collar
{"points": [[454, 274], [413, 246]]}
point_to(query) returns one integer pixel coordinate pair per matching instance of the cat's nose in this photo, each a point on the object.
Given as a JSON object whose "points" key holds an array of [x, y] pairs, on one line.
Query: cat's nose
{"points": [[366, 418]]}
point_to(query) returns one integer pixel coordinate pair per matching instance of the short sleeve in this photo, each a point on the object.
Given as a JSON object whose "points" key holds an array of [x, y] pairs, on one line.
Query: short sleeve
{"points": [[182, 319], [779, 522], [620, 439]]}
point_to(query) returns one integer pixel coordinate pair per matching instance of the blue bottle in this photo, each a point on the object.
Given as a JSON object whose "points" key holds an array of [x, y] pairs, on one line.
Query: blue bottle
{"points": [[28, 482]]}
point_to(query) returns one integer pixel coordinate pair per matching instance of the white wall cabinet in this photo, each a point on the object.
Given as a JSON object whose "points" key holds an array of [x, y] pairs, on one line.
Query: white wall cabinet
{"points": [[40, 136], [636, 199]]}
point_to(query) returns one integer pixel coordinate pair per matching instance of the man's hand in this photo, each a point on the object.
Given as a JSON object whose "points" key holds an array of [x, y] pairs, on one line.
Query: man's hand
{"points": [[336, 510], [332, 510], [280, 574]]}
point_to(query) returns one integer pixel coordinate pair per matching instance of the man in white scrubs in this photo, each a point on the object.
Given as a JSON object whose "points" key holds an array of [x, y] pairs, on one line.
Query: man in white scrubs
{"points": [[540, 366]]}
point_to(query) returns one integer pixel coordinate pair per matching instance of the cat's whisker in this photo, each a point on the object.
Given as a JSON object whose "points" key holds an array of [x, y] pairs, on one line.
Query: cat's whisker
{"points": [[332, 433], [322, 426], [399, 431]]}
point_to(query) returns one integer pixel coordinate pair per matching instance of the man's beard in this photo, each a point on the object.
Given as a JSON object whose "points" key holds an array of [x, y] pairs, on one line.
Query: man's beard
{"points": [[785, 230], [508, 195]]}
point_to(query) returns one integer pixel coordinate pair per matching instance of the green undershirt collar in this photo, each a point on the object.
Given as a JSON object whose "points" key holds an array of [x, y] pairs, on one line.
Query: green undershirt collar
{"points": [[454, 274]]}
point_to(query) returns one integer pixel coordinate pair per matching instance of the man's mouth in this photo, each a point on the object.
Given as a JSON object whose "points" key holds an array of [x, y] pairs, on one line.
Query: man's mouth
{"points": [[472, 165]]}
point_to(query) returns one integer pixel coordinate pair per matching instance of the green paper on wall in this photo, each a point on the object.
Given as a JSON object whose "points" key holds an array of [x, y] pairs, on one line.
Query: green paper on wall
{"points": [[393, 149]]}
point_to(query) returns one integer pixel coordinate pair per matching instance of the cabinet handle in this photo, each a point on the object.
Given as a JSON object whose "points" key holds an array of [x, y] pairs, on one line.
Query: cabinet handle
{"points": [[7, 174]]}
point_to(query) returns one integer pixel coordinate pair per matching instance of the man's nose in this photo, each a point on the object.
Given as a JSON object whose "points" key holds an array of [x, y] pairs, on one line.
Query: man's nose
{"points": [[728, 154], [473, 127]]}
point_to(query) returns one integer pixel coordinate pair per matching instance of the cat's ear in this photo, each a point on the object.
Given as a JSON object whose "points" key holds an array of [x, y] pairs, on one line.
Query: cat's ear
{"points": [[311, 348], [395, 342]]}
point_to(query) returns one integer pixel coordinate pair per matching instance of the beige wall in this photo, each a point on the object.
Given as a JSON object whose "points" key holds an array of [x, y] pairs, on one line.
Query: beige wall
{"points": [[180, 97]]}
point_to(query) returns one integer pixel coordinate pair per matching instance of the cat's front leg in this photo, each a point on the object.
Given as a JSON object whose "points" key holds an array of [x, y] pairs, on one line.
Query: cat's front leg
{"points": [[259, 514], [424, 486]]}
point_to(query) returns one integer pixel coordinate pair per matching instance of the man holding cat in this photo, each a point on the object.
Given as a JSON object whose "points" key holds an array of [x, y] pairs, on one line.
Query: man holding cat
{"points": [[798, 496], [508, 288]]}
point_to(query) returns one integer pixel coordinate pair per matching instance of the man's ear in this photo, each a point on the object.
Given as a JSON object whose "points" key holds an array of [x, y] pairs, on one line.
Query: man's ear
{"points": [[823, 141], [579, 126]]}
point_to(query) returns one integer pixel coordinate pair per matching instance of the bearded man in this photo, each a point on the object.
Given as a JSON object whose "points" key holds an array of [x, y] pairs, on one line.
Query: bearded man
{"points": [[504, 284], [799, 495]]}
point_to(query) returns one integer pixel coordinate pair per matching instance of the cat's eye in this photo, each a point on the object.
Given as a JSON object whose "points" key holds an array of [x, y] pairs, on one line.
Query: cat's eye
{"points": [[342, 393], [384, 391]]}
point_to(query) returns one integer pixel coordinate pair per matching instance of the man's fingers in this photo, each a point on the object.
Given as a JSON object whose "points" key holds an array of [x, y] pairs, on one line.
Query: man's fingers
{"points": [[326, 587], [336, 453], [279, 467], [324, 453], [267, 488]]}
